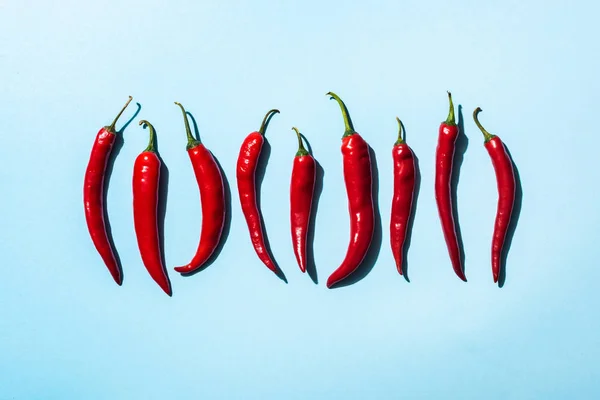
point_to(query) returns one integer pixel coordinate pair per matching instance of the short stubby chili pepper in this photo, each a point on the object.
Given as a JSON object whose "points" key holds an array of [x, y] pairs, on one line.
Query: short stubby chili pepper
{"points": [[505, 178], [93, 195], [212, 198], [146, 179], [246, 181], [302, 188], [359, 188], [404, 191], [444, 159]]}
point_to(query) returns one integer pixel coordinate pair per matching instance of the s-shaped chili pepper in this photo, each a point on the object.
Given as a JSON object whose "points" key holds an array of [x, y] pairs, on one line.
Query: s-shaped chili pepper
{"points": [[93, 195], [505, 178], [212, 197], [404, 190], [146, 178], [358, 179], [444, 158], [301, 196], [246, 171]]}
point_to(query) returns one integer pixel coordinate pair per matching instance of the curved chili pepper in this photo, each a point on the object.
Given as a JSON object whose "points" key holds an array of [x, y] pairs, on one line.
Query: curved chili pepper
{"points": [[505, 178], [359, 181], [146, 178], [246, 171], [444, 158], [404, 190], [93, 195], [301, 196], [212, 197]]}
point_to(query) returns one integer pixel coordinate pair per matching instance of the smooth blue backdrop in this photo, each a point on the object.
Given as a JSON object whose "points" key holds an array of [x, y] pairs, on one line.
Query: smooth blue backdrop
{"points": [[235, 331]]}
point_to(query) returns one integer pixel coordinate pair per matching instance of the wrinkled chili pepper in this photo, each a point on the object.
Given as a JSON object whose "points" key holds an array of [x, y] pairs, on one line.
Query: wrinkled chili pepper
{"points": [[93, 195], [404, 191], [359, 180], [246, 181], [212, 197], [505, 178], [146, 179], [301, 196], [444, 159]]}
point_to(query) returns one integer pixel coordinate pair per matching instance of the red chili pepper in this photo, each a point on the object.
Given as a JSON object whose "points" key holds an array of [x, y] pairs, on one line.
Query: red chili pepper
{"points": [[404, 190], [246, 169], [301, 196], [359, 180], [146, 178], [505, 177], [444, 158], [212, 197], [93, 195]]}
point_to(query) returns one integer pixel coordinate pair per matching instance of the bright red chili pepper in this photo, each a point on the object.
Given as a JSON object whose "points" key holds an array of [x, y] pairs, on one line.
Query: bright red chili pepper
{"points": [[212, 197], [301, 196], [359, 181], [246, 170], [93, 195], [444, 158], [505, 177], [404, 191], [146, 179]]}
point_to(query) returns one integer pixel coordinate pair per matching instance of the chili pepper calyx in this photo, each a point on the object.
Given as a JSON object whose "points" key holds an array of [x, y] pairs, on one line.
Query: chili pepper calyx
{"points": [[451, 120], [486, 135], [265, 122], [347, 120], [111, 127], [192, 142], [400, 140], [301, 149], [151, 145]]}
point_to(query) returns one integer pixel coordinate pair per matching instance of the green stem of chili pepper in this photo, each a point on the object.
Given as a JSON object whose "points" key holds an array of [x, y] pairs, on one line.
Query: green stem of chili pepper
{"points": [[450, 121], [301, 149], [400, 140], [192, 142], [347, 121], [265, 122], [111, 127], [151, 145], [487, 136]]}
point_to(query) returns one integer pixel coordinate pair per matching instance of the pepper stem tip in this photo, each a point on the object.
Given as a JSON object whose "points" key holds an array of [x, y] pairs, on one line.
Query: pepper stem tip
{"points": [[265, 122], [486, 135], [400, 140], [111, 127]]}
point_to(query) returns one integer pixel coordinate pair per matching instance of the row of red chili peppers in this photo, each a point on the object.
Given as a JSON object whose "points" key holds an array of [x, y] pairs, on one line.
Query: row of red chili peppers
{"points": [[357, 176]]}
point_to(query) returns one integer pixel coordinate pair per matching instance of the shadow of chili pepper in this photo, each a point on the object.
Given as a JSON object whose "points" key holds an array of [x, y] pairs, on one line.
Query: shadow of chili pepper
{"points": [[462, 143], [227, 223], [514, 220], [117, 146]]}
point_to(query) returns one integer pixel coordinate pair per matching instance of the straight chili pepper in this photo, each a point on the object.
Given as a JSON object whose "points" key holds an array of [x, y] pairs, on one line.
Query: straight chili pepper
{"points": [[404, 190], [93, 195], [359, 181], [444, 158], [246, 181], [146, 178], [212, 197], [505, 178], [301, 196]]}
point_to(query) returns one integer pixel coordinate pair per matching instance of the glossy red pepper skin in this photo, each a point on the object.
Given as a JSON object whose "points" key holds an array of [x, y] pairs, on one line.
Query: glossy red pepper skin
{"points": [[212, 198], [506, 181], [302, 188], [146, 179], [359, 182], [246, 181], [444, 159], [93, 196], [404, 191]]}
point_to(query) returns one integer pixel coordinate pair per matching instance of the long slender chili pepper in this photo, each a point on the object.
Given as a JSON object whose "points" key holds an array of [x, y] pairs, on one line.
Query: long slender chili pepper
{"points": [[444, 158], [301, 196], [93, 195], [505, 178], [246, 171], [404, 190], [212, 197], [359, 181], [146, 178]]}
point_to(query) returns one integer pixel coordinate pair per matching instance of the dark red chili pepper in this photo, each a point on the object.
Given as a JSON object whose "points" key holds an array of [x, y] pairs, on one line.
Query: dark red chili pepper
{"points": [[444, 158], [246, 169], [93, 195], [505, 177], [146, 178], [301, 196], [212, 197], [359, 180], [404, 190]]}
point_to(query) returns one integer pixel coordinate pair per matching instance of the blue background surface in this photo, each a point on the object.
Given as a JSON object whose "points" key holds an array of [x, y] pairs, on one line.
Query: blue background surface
{"points": [[235, 330]]}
